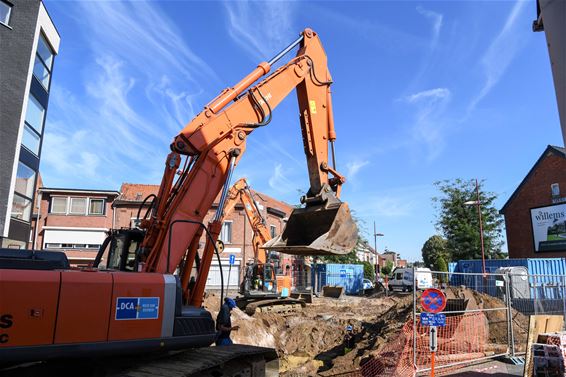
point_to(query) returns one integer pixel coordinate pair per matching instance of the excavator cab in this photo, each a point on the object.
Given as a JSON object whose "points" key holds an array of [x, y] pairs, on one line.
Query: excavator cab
{"points": [[120, 250], [325, 228]]}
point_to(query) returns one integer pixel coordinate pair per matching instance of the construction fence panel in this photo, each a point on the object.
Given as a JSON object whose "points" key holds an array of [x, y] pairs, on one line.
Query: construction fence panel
{"points": [[533, 295], [478, 321]]}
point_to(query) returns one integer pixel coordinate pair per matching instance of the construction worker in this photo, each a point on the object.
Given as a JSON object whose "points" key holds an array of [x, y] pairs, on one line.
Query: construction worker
{"points": [[349, 339], [224, 323]]}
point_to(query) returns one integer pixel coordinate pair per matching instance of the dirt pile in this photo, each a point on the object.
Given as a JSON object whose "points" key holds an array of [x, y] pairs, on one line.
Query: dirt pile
{"points": [[497, 318]]}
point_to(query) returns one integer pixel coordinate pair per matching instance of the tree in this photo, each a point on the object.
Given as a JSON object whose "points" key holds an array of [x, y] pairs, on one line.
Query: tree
{"points": [[386, 270], [434, 248], [459, 222], [369, 270], [441, 266]]}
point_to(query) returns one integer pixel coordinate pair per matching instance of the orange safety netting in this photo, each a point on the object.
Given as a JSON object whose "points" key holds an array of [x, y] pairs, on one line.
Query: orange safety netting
{"points": [[463, 339]]}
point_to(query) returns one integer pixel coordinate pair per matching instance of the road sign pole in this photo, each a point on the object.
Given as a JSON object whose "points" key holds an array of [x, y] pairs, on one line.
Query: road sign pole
{"points": [[228, 282], [433, 343], [432, 364]]}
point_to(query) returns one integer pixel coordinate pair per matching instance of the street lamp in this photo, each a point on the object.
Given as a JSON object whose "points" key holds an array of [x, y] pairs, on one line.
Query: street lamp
{"points": [[477, 203], [375, 235]]}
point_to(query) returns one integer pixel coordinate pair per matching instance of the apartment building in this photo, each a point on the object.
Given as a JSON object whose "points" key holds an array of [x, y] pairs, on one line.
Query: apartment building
{"points": [[29, 43]]}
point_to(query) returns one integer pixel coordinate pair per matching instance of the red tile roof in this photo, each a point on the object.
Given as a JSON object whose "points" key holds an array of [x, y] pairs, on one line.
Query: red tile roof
{"points": [[136, 192]]}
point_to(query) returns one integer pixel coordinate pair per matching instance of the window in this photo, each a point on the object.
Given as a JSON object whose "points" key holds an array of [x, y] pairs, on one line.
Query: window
{"points": [[43, 62], [96, 207], [135, 222], [25, 180], [78, 206], [226, 232], [71, 246], [59, 205], [30, 140], [34, 114], [5, 12], [21, 208], [44, 52], [273, 231]]}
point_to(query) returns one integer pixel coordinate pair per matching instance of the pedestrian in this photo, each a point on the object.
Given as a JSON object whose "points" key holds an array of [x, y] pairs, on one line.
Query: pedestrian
{"points": [[224, 323]]}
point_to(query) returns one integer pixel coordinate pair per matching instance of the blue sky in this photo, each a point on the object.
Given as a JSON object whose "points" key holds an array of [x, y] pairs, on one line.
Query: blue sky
{"points": [[422, 91]]}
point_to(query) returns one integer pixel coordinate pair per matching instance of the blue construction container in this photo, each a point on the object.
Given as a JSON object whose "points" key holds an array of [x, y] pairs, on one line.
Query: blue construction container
{"points": [[545, 274], [349, 276]]}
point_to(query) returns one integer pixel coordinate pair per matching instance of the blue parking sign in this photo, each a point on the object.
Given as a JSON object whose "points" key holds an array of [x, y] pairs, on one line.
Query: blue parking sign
{"points": [[432, 319], [232, 259]]}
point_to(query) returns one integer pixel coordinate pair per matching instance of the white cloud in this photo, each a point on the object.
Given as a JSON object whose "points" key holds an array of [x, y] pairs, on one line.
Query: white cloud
{"points": [[353, 168], [431, 95], [436, 19], [430, 120], [100, 138], [279, 181], [122, 117], [500, 53], [262, 28]]}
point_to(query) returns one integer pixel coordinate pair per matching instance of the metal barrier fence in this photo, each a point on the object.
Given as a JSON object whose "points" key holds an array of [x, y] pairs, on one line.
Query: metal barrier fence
{"points": [[478, 321], [487, 316]]}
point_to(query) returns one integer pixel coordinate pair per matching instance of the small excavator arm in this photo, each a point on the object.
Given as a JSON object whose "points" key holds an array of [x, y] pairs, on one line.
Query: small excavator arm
{"points": [[240, 193], [214, 142]]}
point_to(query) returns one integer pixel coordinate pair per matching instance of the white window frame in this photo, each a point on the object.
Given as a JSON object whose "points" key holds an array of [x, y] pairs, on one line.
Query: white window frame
{"points": [[70, 206], [103, 207], [272, 230], [6, 22], [231, 222], [66, 205]]}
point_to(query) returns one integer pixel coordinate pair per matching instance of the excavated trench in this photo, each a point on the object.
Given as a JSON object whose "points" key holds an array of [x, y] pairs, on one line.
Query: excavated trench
{"points": [[313, 341]]}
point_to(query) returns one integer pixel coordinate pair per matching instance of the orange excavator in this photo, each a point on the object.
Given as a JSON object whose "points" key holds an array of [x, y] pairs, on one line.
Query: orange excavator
{"points": [[149, 295], [258, 290]]}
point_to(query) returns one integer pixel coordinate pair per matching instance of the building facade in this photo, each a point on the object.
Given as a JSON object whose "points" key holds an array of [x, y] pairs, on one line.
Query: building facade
{"points": [[535, 214], [29, 43], [74, 221]]}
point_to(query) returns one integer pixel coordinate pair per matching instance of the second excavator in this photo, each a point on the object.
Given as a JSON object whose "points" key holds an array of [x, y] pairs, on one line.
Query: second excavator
{"points": [[259, 288]]}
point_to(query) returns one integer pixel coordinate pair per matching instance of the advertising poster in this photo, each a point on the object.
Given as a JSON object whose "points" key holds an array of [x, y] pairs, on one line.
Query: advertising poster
{"points": [[549, 228]]}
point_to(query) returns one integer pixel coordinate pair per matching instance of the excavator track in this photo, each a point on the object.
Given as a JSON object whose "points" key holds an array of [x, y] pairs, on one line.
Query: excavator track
{"points": [[225, 361]]}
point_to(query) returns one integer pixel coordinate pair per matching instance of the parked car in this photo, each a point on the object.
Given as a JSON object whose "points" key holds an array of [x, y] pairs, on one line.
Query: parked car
{"points": [[367, 285], [403, 279]]}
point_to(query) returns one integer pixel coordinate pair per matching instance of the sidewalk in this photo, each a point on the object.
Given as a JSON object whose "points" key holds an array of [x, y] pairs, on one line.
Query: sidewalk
{"points": [[490, 368]]}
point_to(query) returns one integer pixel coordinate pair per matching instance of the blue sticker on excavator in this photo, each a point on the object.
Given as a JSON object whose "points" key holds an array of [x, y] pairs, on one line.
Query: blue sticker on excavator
{"points": [[137, 308]]}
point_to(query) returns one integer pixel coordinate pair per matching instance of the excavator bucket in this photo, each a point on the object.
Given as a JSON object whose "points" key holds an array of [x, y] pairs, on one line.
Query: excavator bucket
{"points": [[317, 230]]}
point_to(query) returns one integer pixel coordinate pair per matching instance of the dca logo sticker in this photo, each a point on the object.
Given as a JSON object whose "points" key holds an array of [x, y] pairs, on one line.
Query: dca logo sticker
{"points": [[137, 308]]}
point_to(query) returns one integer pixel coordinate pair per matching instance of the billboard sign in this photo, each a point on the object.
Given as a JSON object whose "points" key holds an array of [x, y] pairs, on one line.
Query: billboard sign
{"points": [[549, 228]]}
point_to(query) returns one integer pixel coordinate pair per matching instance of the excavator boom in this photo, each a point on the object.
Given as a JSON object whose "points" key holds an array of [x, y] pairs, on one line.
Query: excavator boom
{"points": [[215, 140]]}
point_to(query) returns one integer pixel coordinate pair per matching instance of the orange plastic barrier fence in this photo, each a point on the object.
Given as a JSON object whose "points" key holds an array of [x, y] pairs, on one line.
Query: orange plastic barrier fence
{"points": [[463, 339]]}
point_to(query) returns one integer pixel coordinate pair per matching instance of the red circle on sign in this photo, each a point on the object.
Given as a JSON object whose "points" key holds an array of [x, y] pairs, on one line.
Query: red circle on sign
{"points": [[433, 300]]}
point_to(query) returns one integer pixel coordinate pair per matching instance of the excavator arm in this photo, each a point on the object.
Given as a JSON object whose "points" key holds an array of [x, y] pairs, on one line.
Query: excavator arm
{"points": [[215, 140], [240, 193]]}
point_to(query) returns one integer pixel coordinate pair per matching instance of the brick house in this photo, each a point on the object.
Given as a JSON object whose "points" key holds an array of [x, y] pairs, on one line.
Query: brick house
{"points": [[236, 231], [543, 190], [73, 220]]}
